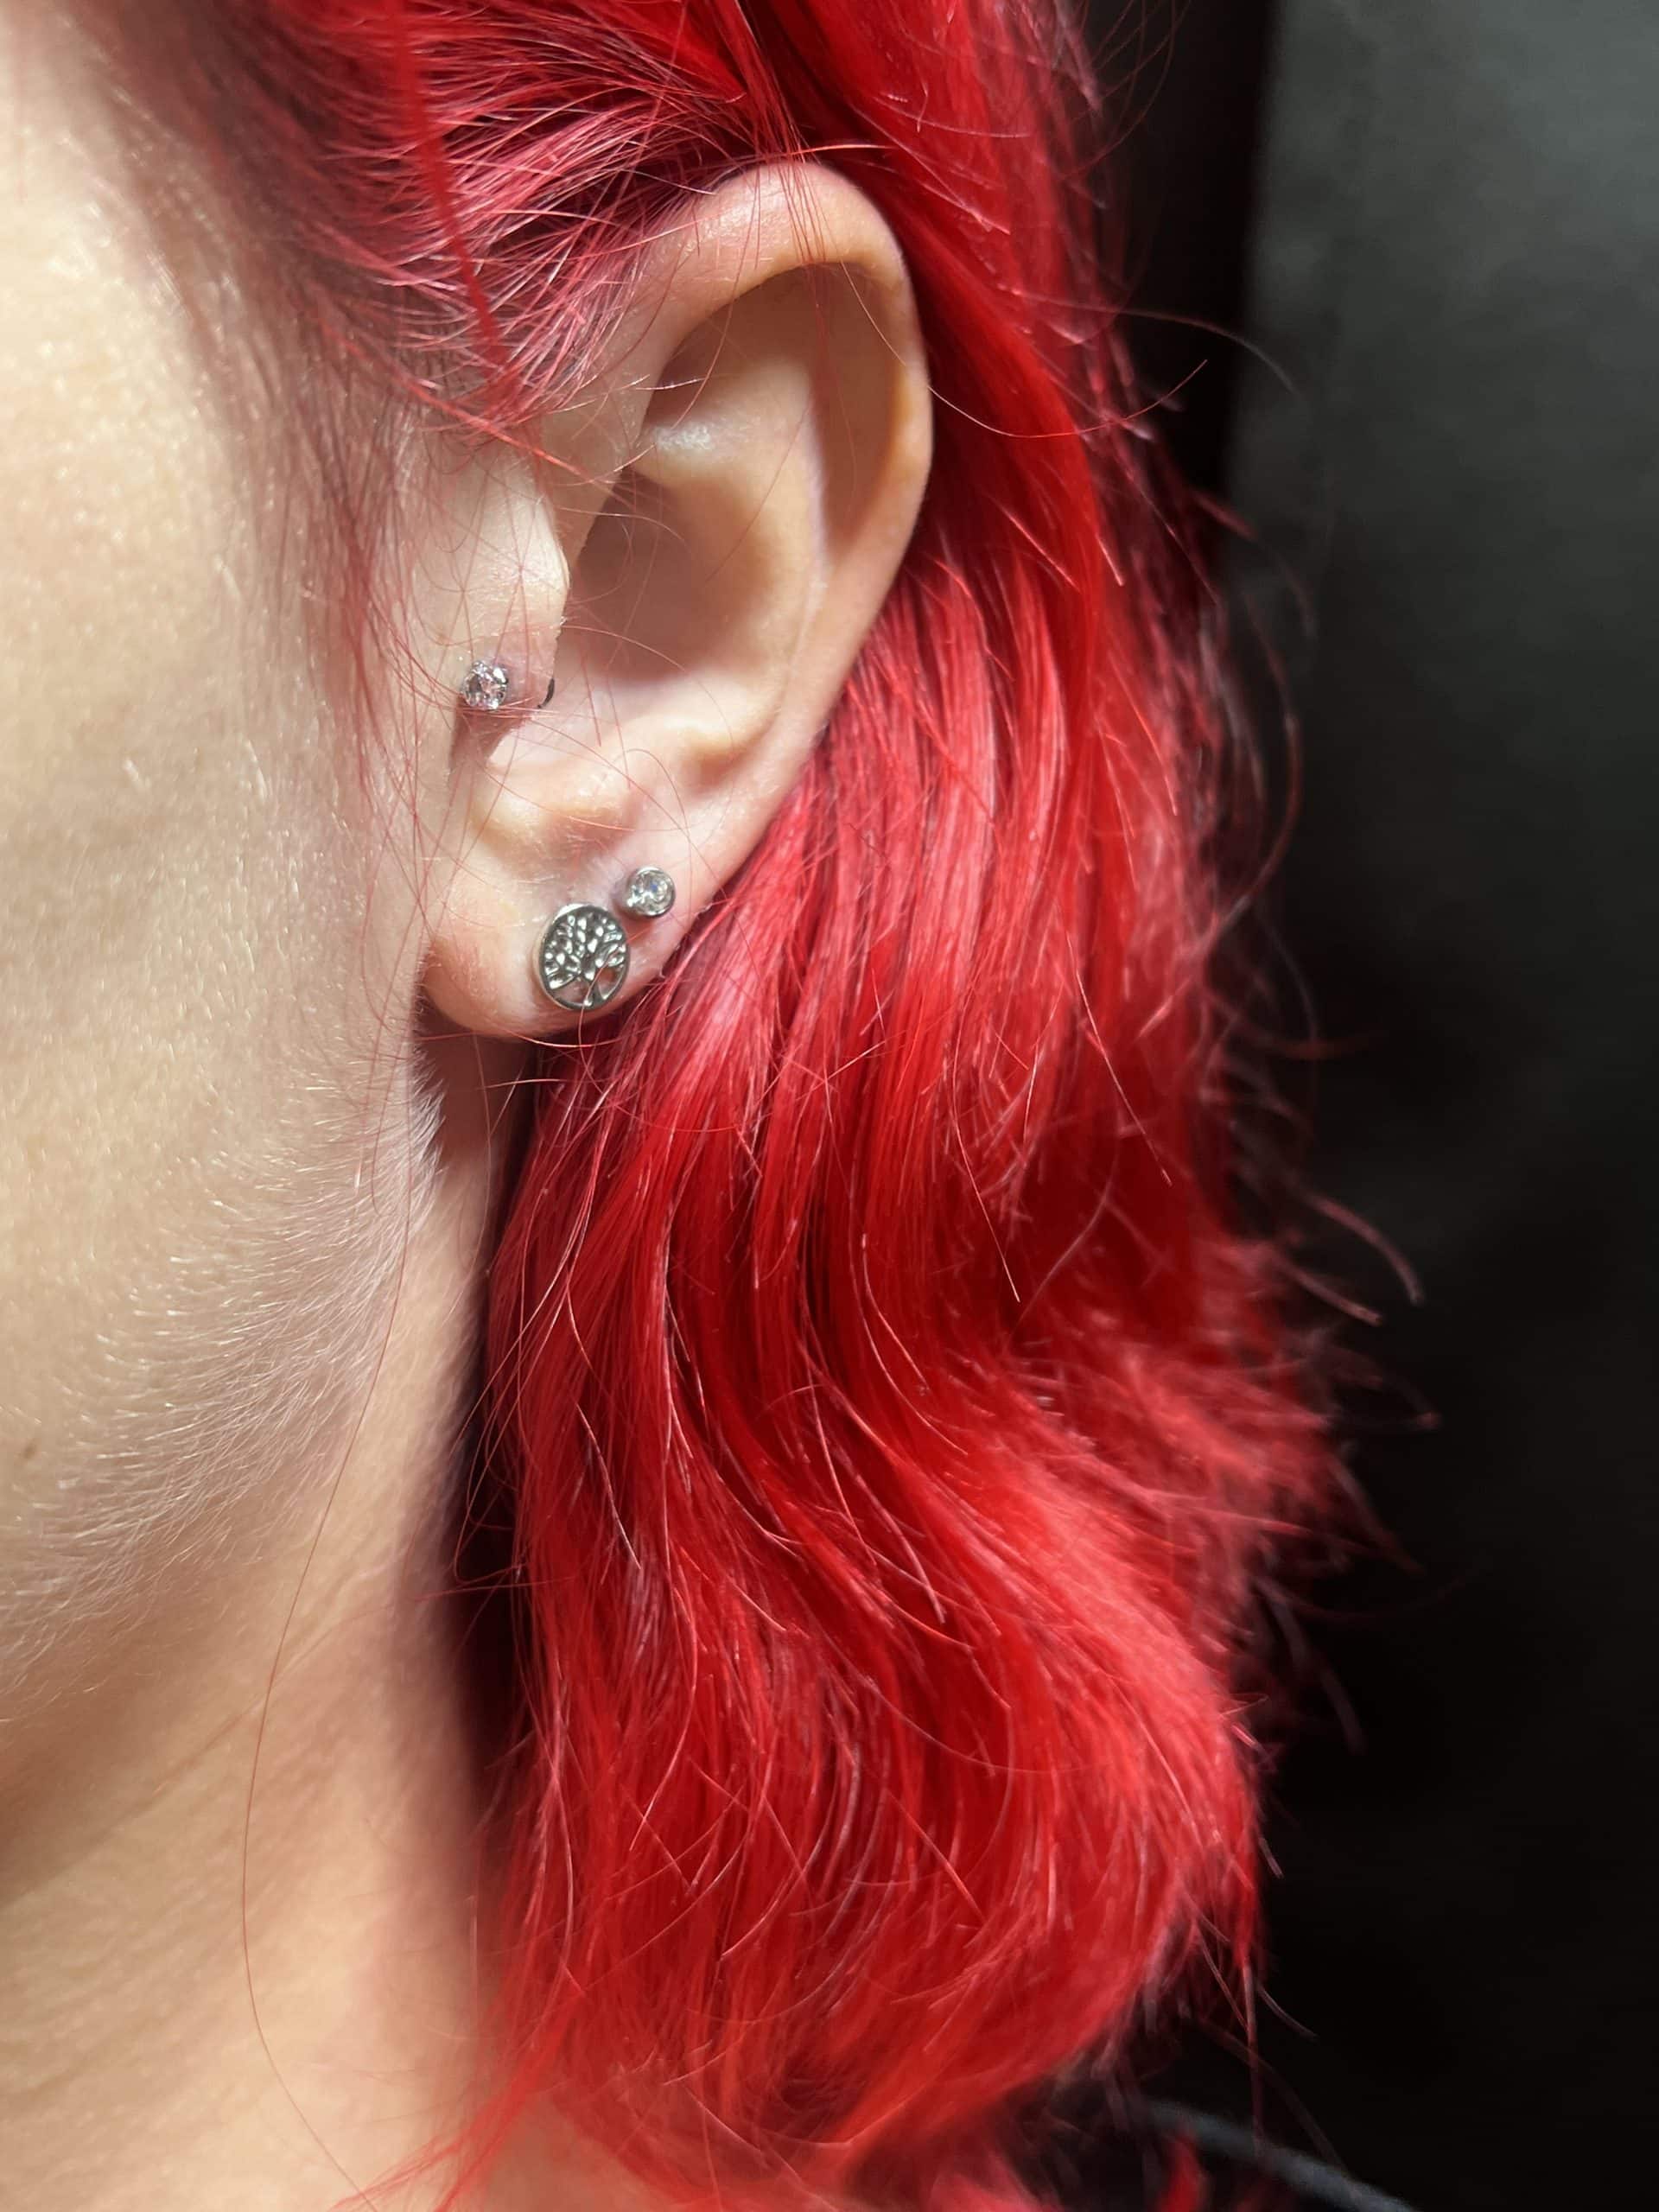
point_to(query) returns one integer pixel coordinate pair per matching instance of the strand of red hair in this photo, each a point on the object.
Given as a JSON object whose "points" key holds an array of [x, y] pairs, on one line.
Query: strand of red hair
{"points": [[899, 1427]]}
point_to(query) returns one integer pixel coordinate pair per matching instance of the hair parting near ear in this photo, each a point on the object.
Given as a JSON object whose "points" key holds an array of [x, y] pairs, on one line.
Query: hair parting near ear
{"points": [[898, 1428]]}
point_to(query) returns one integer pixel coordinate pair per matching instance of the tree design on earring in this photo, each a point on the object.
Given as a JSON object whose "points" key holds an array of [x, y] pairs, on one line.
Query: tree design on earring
{"points": [[582, 960]]}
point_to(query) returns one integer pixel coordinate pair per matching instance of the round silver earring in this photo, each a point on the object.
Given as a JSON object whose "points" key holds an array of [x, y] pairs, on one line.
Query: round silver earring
{"points": [[581, 962]]}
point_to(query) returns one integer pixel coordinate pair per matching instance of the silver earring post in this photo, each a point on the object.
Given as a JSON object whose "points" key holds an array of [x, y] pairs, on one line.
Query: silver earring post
{"points": [[581, 962]]}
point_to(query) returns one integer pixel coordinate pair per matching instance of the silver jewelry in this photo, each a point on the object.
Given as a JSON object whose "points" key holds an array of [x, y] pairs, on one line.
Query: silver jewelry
{"points": [[581, 962], [486, 686], [649, 893]]}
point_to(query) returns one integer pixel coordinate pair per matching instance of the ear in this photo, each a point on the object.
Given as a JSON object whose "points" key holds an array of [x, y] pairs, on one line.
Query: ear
{"points": [[694, 561]]}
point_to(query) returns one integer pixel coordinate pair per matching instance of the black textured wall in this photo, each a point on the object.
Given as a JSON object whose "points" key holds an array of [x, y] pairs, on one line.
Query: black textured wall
{"points": [[1453, 268]]}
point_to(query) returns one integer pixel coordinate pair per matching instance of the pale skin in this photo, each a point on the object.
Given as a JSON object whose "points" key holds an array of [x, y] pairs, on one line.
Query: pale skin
{"points": [[265, 976]]}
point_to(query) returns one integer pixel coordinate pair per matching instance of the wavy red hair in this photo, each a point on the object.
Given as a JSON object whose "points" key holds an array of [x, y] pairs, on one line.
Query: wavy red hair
{"points": [[895, 1419]]}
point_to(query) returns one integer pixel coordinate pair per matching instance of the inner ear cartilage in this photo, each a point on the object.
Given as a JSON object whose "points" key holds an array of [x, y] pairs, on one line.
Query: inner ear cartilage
{"points": [[581, 962]]}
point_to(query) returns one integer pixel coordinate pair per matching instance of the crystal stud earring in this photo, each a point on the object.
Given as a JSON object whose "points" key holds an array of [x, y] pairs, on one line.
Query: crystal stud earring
{"points": [[581, 962], [648, 892], [486, 686]]}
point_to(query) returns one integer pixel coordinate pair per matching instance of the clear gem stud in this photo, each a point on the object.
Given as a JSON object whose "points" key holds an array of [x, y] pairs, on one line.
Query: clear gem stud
{"points": [[649, 893], [486, 686]]}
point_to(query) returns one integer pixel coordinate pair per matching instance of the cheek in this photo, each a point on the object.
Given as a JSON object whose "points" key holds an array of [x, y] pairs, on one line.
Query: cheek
{"points": [[192, 1061]]}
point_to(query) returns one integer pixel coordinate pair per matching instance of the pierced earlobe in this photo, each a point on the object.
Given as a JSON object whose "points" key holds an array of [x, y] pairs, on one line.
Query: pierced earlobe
{"points": [[582, 960]]}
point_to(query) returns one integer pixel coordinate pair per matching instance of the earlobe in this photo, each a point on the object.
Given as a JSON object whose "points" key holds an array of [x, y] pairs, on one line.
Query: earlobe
{"points": [[736, 494]]}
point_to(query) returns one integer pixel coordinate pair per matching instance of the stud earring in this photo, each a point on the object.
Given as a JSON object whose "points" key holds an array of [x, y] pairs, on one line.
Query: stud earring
{"points": [[649, 893], [487, 686], [581, 962]]}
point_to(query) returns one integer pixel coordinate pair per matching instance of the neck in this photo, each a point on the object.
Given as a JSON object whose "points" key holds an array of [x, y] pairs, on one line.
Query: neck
{"points": [[236, 1911]]}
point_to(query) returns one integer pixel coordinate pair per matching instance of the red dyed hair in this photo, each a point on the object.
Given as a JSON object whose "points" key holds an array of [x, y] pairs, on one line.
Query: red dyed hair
{"points": [[896, 1421]]}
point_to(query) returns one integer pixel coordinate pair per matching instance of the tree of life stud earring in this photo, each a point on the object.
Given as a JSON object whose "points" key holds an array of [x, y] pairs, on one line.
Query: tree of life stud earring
{"points": [[581, 962]]}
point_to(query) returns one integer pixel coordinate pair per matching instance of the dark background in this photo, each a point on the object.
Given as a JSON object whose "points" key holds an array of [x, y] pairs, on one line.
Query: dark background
{"points": [[1438, 222]]}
